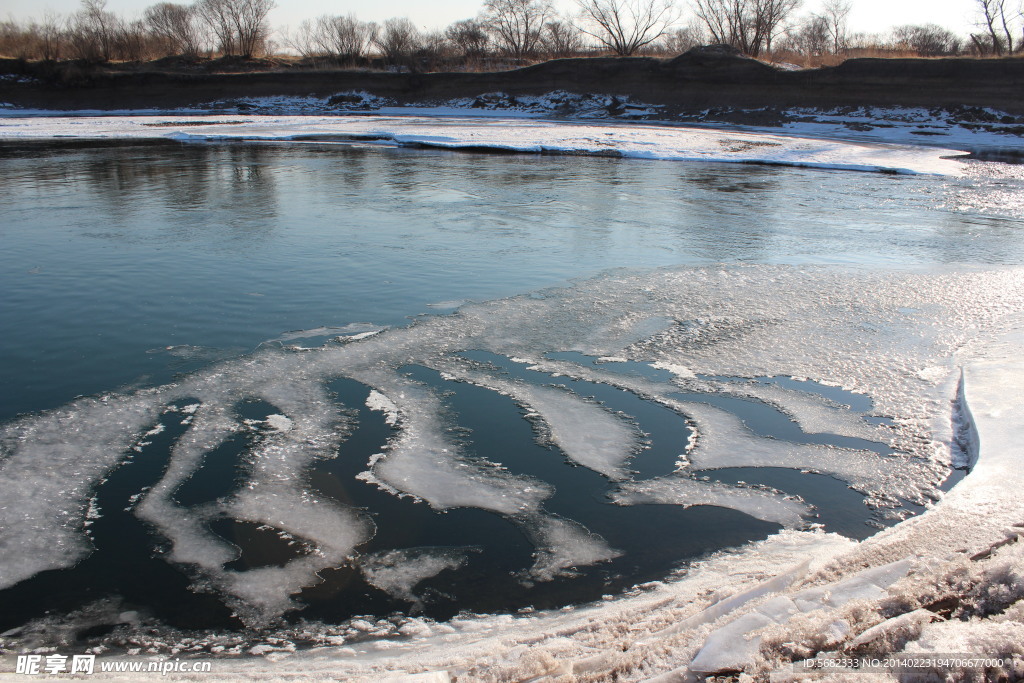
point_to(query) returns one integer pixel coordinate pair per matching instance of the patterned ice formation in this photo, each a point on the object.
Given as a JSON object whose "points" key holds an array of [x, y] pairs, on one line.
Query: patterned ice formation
{"points": [[843, 327]]}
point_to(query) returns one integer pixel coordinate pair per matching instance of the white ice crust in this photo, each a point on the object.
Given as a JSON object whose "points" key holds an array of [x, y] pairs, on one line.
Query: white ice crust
{"points": [[675, 143]]}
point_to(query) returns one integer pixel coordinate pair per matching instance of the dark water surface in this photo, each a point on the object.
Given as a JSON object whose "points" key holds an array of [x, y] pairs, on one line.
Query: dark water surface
{"points": [[126, 265]]}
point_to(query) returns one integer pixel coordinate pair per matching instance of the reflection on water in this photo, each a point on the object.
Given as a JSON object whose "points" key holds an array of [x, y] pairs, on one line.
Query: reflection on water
{"points": [[147, 246]]}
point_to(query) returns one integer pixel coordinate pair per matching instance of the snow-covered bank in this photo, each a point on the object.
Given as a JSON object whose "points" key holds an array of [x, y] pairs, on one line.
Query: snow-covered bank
{"points": [[519, 135]]}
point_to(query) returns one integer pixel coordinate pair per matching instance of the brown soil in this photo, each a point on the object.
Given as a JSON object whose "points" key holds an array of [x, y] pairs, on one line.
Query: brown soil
{"points": [[711, 77]]}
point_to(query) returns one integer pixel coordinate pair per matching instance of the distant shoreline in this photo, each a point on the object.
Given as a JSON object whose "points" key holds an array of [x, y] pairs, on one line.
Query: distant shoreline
{"points": [[691, 84]]}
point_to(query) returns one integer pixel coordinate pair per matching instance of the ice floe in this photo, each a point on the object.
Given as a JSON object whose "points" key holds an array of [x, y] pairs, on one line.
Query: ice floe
{"points": [[676, 143], [398, 572]]}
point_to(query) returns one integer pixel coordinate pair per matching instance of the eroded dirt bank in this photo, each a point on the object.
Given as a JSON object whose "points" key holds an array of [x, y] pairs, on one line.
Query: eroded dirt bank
{"points": [[698, 80]]}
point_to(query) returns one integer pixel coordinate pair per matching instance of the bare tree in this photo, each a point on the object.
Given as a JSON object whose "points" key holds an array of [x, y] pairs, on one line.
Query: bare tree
{"points": [[93, 31], [928, 40], [251, 24], [680, 40], [469, 37], [432, 51], [835, 13], [769, 16], [51, 35], [517, 24], [345, 38], [134, 42], [17, 40], [216, 16], [625, 26], [811, 37], [997, 18], [397, 39], [561, 39], [176, 26], [749, 25], [43, 40], [239, 26]]}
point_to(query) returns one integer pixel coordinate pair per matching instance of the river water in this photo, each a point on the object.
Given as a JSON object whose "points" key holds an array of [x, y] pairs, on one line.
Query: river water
{"points": [[164, 267]]}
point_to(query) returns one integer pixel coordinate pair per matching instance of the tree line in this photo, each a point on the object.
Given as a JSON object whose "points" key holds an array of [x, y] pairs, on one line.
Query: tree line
{"points": [[504, 33]]}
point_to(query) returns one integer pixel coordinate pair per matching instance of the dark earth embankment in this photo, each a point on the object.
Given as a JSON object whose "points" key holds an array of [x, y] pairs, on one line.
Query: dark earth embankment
{"points": [[700, 79]]}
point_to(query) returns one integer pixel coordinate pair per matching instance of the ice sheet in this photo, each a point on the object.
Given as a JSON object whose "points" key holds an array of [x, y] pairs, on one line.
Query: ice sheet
{"points": [[562, 546], [835, 326], [724, 441], [676, 143]]}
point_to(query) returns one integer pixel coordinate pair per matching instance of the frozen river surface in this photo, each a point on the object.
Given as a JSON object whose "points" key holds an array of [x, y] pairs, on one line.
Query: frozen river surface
{"points": [[248, 382]]}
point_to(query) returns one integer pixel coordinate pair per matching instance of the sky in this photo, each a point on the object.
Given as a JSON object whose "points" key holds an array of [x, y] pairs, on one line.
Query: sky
{"points": [[868, 16]]}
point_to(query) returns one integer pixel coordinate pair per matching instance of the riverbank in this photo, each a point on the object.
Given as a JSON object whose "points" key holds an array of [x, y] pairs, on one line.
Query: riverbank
{"points": [[700, 82]]}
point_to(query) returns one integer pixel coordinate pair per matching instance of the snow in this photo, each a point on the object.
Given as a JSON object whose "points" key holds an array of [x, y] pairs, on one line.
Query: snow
{"points": [[676, 143]]}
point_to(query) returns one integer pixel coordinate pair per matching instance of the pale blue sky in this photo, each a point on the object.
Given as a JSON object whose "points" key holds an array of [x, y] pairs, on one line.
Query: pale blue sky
{"points": [[867, 15]]}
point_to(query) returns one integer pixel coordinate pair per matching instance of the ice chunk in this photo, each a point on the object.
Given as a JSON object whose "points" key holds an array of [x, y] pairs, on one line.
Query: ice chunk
{"points": [[730, 648], [587, 433], [965, 439], [381, 403], [398, 572], [279, 422], [769, 506], [869, 583], [423, 462], [815, 414], [350, 330], [893, 633], [48, 464], [562, 546]]}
